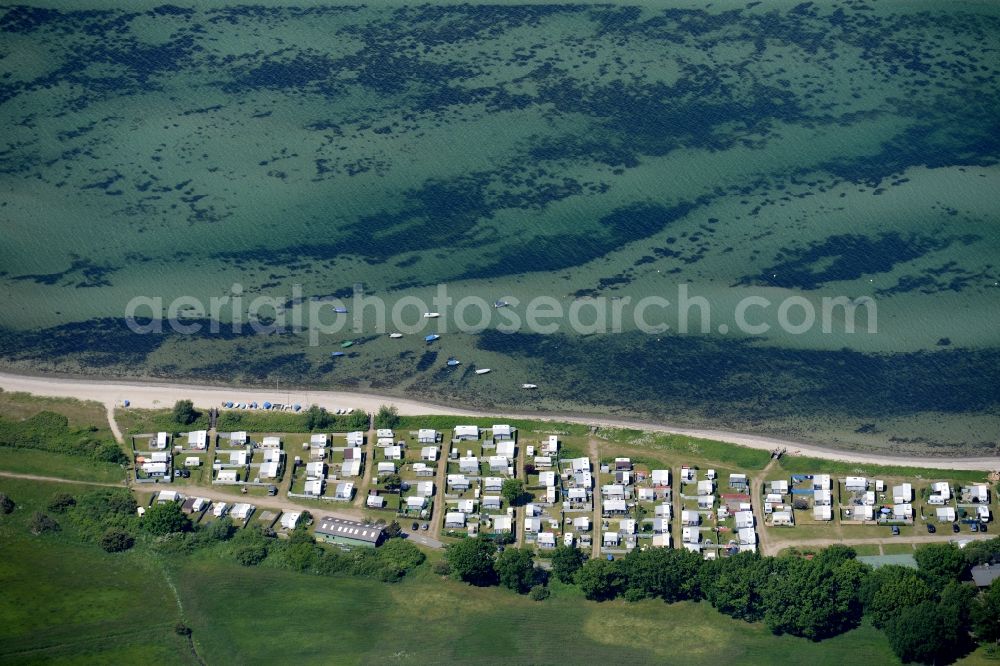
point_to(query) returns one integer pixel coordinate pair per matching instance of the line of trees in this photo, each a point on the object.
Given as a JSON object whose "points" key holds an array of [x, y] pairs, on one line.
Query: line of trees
{"points": [[929, 615], [480, 562]]}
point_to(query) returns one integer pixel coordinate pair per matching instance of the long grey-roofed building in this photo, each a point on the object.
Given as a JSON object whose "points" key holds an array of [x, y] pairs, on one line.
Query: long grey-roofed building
{"points": [[349, 532], [984, 574]]}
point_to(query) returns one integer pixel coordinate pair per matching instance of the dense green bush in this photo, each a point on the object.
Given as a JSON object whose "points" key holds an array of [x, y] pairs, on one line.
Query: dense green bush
{"points": [[165, 518], [98, 510], [471, 560], [250, 554], [601, 580], [566, 561], [6, 504], [515, 568], [39, 523], [61, 502], [387, 417], [184, 412], [313, 419], [539, 593], [48, 431], [115, 540]]}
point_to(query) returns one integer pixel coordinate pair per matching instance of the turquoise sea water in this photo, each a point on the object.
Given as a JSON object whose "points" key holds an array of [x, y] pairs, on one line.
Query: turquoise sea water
{"points": [[744, 149]]}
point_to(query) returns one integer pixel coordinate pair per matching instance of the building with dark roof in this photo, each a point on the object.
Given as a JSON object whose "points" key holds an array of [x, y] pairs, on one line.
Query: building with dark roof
{"points": [[984, 574], [349, 532]]}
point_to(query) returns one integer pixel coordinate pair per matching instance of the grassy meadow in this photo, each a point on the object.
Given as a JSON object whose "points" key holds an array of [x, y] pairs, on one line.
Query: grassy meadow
{"points": [[79, 413], [31, 442], [429, 620], [65, 601], [142, 421], [45, 463]]}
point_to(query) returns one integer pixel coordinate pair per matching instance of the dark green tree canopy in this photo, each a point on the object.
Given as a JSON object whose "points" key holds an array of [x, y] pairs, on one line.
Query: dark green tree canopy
{"points": [[471, 560], [165, 518], [566, 561], [184, 412], [515, 569]]}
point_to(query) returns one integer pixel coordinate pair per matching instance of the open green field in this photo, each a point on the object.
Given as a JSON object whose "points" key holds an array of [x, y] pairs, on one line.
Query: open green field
{"points": [[427, 620], [686, 450], [33, 443], [68, 602], [45, 463]]}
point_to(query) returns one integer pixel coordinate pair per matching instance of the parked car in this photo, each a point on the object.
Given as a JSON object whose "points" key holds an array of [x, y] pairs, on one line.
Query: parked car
{"points": [[931, 529], [895, 530], [982, 528], [186, 473], [955, 528], [424, 527], [415, 526], [177, 474], [975, 527]]}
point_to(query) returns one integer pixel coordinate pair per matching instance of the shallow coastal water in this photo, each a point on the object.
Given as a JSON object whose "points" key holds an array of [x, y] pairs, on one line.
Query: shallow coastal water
{"points": [[814, 149]]}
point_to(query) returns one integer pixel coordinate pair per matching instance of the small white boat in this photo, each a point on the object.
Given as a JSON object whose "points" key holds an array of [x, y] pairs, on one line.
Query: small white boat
{"points": [[529, 386], [482, 371], [431, 315], [395, 335]]}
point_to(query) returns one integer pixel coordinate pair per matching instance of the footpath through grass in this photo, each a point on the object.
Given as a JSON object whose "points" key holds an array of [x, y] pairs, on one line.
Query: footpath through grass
{"points": [[58, 437], [70, 602]]}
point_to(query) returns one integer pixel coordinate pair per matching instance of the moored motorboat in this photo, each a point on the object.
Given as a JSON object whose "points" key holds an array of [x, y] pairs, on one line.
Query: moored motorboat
{"points": [[482, 371], [431, 315], [432, 337], [395, 335], [452, 362], [529, 386]]}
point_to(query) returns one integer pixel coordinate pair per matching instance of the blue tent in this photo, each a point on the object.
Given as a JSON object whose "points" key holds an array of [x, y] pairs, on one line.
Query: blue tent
{"points": [[229, 404], [297, 407], [253, 405], [267, 405], [127, 403]]}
